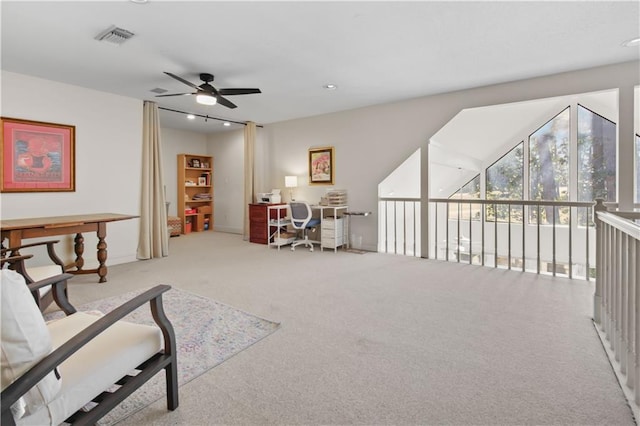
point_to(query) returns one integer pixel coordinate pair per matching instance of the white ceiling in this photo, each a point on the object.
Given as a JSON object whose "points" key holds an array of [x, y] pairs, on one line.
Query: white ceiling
{"points": [[376, 52]]}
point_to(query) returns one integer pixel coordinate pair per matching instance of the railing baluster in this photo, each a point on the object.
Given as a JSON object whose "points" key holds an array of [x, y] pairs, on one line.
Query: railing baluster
{"points": [[524, 258], [458, 234], [509, 237], [436, 229], [395, 227], [404, 227], [415, 232], [482, 225], [447, 235], [570, 243], [470, 237], [588, 272], [553, 241], [495, 236], [538, 226]]}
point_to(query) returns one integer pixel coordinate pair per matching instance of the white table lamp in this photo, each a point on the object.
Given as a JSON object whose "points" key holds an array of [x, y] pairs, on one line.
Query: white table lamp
{"points": [[291, 182]]}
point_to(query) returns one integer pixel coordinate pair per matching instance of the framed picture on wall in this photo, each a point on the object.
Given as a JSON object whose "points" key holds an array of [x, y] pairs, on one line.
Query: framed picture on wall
{"points": [[36, 156], [321, 165]]}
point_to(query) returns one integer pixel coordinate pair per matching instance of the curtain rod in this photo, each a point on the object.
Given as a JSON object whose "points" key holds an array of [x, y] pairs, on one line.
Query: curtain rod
{"points": [[206, 117]]}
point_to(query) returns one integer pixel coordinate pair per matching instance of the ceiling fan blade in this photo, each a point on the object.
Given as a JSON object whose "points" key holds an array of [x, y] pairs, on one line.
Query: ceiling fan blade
{"points": [[188, 83], [226, 102], [175, 94], [228, 92]]}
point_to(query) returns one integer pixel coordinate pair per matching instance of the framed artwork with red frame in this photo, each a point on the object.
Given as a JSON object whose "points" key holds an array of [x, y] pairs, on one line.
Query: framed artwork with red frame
{"points": [[36, 156]]}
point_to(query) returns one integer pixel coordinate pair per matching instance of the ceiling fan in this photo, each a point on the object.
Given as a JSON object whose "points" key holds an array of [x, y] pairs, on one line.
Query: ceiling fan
{"points": [[207, 94]]}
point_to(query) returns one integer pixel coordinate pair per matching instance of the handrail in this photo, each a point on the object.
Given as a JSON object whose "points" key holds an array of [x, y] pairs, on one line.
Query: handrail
{"points": [[513, 202], [622, 222]]}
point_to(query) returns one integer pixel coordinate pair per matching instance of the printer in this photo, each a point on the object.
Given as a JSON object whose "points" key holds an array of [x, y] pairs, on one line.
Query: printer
{"points": [[269, 197]]}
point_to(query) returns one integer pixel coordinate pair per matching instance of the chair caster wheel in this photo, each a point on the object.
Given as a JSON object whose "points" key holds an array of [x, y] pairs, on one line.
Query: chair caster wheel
{"points": [[293, 249], [311, 249]]}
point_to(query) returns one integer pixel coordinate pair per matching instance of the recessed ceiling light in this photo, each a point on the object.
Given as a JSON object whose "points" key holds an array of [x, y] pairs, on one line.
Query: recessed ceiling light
{"points": [[632, 42], [139, 1], [191, 117], [330, 86], [226, 123]]}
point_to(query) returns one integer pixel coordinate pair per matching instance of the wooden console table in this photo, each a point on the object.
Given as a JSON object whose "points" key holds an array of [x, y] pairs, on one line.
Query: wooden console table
{"points": [[15, 230]]}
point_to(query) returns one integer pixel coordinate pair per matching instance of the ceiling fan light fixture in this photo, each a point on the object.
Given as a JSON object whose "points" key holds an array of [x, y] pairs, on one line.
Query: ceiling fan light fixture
{"points": [[206, 99]]}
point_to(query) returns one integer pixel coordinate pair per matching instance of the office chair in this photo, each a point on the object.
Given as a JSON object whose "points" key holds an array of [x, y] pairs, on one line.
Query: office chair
{"points": [[301, 220]]}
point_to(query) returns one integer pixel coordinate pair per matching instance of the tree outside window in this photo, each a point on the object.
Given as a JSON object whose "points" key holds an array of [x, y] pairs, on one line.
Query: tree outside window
{"points": [[597, 159], [504, 181]]}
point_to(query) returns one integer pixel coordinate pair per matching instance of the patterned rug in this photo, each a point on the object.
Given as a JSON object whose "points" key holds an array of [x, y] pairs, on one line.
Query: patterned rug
{"points": [[207, 333]]}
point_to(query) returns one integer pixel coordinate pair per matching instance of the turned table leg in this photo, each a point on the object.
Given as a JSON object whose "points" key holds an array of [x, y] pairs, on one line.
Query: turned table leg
{"points": [[102, 252], [79, 250]]}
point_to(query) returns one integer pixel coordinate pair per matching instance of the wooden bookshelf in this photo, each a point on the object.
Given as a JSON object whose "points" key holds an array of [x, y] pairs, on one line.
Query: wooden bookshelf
{"points": [[195, 192]]}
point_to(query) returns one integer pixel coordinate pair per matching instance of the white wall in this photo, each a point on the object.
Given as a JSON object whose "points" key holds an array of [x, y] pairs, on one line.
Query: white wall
{"points": [[108, 158], [227, 150], [176, 142]]}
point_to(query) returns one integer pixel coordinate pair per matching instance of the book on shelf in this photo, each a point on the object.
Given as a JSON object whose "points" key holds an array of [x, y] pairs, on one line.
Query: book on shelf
{"points": [[207, 178], [201, 196]]}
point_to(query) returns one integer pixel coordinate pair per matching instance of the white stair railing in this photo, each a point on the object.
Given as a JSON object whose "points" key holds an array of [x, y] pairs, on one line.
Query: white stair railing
{"points": [[617, 295]]}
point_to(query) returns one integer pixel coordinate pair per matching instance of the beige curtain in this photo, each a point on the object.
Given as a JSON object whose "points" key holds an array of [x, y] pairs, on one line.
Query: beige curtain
{"points": [[249, 186], [154, 239]]}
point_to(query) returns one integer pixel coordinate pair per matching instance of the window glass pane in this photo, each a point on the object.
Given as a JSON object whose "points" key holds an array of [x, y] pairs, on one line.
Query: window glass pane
{"points": [[549, 168], [470, 190], [596, 157], [549, 160], [505, 182]]}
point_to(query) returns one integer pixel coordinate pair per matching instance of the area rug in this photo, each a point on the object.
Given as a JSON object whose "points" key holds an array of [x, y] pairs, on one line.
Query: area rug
{"points": [[207, 333]]}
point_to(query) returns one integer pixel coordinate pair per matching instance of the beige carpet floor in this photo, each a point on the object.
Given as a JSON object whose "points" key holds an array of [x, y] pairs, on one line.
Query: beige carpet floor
{"points": [[382, 339]]}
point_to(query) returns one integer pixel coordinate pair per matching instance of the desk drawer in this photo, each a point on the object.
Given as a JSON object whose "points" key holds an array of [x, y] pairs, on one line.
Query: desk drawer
{"points": [[332, 223], [331, 242], [258, 213]]}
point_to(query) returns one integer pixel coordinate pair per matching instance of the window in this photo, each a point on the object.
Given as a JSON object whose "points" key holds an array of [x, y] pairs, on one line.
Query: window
{"points": [[469, 191], [549, 160], [504, 181], [596, 156], [549, 167]]}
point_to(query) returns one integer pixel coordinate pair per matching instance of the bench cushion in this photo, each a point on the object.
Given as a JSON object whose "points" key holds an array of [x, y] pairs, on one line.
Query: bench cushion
{"points": [[98, 364]]}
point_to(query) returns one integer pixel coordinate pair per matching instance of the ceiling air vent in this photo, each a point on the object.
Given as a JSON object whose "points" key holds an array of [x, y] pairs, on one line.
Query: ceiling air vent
{"points": [[114, 35]]}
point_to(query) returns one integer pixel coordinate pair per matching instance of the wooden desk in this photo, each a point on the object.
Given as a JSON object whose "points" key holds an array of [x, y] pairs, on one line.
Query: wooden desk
{"points": [[15, 230]]}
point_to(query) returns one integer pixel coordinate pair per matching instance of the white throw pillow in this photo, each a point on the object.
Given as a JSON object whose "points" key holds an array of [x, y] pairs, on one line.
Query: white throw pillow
{"points": [[25, 341]]}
